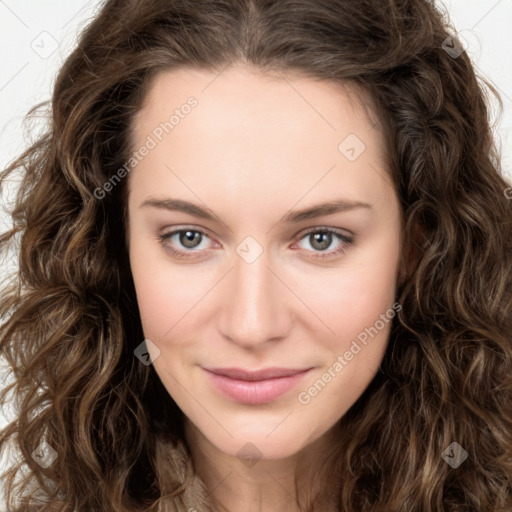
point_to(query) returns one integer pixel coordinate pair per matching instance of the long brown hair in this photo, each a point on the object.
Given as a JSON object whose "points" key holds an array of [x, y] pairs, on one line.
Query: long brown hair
{"points": [[70, 322]]}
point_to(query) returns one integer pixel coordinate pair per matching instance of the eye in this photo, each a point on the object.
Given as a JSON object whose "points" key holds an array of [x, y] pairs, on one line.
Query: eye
{"points": [[321, 239], [189, 239]]}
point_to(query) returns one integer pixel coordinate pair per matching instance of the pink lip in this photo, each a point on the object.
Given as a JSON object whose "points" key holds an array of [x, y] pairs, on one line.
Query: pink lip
{"points": [[255, 387]]}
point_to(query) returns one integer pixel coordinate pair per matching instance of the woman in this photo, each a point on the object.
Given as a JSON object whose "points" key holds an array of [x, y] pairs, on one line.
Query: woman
{"points": [[265, 264]]}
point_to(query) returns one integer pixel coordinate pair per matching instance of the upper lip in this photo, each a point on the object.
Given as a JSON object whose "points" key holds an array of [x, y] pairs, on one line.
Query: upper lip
{"points": [[265, 373]]}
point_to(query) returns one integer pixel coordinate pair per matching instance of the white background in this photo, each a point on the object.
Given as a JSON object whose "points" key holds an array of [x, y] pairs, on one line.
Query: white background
{"points": [[36, 36], [28, 26]]}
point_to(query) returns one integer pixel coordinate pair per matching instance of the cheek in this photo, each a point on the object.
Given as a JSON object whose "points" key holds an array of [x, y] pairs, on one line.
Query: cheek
{"points": [[163, 300], [164, 310], [351, 299], [165, 294], [152, 295], [154, 306], [360, 312]]}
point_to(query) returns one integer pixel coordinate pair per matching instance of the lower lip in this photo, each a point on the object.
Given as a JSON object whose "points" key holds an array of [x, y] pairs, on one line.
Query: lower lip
{"points": [[256, 391]]}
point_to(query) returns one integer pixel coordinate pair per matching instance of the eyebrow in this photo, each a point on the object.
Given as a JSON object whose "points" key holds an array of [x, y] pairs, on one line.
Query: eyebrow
{"points": [[311, 212]]}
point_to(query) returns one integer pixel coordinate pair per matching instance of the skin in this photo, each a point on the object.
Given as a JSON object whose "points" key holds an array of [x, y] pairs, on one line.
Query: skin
{"points": [[255, 148]]}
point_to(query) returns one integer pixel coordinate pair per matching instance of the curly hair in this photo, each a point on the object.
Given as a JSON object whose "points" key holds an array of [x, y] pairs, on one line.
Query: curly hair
{"points": [[70, 321]]}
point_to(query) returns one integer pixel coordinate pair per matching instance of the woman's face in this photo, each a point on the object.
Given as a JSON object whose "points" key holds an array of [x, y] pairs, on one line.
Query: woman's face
{"points": [[233, 180]]}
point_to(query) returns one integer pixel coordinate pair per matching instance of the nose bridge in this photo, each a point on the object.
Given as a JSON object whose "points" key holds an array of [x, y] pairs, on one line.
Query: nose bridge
{"points": [[253, 309]]}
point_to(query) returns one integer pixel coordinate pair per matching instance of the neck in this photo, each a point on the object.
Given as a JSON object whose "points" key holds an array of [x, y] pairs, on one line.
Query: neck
{"points": [[264, 485]]}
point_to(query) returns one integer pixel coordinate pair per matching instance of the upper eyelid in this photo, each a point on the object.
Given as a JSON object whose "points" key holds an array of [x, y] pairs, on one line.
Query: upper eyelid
{"points": [[337, 231], [174, 231]]}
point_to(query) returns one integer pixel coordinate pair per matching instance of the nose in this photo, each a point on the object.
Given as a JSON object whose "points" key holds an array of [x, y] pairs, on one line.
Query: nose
{"points": [[256, 304]]}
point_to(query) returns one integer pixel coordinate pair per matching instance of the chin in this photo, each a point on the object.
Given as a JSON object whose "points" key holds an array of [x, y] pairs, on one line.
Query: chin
{"points": [[256, 441], [253, 448]]}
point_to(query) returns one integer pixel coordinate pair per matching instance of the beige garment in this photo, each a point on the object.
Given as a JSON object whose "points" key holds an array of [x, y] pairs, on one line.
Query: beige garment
{"points": [[179, 478]]}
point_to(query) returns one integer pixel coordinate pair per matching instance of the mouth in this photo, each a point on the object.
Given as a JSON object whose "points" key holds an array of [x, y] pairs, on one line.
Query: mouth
{"points": [[255, 387]]}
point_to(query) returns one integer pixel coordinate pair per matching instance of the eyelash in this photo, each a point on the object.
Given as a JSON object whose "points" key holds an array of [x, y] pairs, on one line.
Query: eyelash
{"points": [[347, 241]]}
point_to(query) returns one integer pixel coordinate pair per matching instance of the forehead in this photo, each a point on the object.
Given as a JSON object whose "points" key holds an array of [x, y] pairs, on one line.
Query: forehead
{"points": [[246, 99], [252, 131]]}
